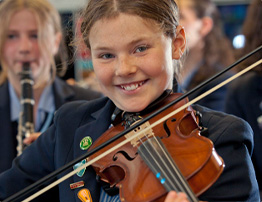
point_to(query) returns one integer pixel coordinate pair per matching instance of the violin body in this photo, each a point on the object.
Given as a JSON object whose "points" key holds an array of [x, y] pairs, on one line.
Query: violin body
{"points": [[193, 154]]}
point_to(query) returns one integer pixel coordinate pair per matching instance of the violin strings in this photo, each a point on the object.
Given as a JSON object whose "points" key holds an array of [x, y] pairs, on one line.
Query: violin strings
{"points": [[151, 165], [177, 176], [139, 133], [178, 182], [163, 161]]}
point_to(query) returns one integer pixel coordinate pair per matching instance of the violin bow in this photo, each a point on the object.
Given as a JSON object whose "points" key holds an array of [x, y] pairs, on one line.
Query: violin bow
{"points": [[51, 176]]}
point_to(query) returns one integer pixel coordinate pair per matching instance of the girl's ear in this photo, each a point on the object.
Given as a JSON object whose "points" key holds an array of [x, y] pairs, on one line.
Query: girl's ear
{"points": [[58, 38], [178, 43], [207, 26]]}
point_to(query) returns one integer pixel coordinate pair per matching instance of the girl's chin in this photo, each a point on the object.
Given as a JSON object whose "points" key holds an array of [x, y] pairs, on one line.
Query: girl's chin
{"points": [[136, 108], [131, 103]]}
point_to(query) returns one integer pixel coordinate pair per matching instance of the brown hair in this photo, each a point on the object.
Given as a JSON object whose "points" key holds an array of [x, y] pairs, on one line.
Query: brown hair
{"points": [[164, 12], [252, 30], [47, 17], [218, 51]]}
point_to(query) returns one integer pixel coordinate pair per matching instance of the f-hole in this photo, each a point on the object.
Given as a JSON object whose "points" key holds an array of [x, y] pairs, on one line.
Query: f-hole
{"points": [[129, 158], [166, 127]]}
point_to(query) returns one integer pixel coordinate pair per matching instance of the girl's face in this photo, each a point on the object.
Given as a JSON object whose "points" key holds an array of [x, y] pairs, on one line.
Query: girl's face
{"points": [[191, 23], [21, 45], [132, 59]]}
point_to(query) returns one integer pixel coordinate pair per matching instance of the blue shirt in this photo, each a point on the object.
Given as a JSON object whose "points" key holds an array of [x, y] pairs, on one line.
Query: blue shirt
{"points": [[104, 197], [45, 108]]}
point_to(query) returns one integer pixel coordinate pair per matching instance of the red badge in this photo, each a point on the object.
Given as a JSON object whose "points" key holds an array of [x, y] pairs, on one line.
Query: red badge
{"points": [[77, 185]]}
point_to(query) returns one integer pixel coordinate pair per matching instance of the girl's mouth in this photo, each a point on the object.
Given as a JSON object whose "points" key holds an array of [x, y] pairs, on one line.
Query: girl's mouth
{"points": [[133, 86]]}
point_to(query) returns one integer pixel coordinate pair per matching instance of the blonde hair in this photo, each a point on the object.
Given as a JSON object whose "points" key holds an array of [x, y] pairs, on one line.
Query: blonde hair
{"points": [[47, 17]]}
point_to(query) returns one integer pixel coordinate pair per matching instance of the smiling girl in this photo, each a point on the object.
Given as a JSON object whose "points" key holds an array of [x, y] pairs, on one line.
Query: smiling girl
{"points": [[134, 46]]}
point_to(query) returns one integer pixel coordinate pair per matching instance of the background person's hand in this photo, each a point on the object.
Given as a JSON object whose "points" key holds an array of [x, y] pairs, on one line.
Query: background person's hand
{"points": [[31, 138]]}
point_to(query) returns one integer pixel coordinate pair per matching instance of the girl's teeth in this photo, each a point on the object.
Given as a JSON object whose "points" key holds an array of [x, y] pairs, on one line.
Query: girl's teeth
{"points": [[132, 86]]}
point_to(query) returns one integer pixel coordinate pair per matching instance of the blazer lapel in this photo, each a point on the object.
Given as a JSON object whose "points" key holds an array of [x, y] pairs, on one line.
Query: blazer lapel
{"points": [[100, 122], [7, 151]]}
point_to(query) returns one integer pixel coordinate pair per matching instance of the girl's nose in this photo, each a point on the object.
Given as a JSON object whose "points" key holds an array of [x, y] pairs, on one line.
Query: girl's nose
{"points": [[125, 66], [25, 45]]}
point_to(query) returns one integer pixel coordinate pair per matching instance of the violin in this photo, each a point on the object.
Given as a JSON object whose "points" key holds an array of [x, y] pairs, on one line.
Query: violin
{"points": [[170, 156]]}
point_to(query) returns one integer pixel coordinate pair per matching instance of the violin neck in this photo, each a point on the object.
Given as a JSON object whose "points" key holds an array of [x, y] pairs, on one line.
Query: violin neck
{"points": [[157, 158]]}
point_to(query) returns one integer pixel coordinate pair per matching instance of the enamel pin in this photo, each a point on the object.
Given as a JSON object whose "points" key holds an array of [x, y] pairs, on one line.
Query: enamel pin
{"points": [[84, 195], [85, 143], [81, 172], [77, 185]]}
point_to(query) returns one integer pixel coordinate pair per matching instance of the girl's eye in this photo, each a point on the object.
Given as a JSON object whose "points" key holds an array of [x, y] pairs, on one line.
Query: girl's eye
{"points": [[107, 56], [11, 36], [34, 36], [141, 49]]}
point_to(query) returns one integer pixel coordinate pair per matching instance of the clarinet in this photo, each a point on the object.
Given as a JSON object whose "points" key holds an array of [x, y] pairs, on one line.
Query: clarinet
{"points": [[26, 118]]}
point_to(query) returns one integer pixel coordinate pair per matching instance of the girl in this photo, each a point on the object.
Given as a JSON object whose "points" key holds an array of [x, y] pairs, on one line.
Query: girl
{"points": [[209, 51], [133, 46], [31, 32]]}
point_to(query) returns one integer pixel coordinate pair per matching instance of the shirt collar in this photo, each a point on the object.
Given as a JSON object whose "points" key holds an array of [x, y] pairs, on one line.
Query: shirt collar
{"points": [[14, 103], [46, 103]]}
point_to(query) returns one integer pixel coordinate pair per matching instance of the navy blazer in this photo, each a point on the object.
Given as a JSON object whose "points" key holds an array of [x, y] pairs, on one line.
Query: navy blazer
{"points": [[60, 144], [63, 93], [244, 99], [215, 100]]}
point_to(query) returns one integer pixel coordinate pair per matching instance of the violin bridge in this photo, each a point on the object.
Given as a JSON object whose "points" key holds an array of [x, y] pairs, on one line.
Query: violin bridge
{"points": [[145, 130]]}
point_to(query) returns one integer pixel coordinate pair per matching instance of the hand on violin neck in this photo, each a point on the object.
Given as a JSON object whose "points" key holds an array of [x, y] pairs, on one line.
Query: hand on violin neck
{"points": [[173, 196]]}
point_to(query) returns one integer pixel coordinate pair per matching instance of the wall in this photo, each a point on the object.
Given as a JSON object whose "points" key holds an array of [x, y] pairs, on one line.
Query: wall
{"points": [[68, 5], [72, 5]]}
